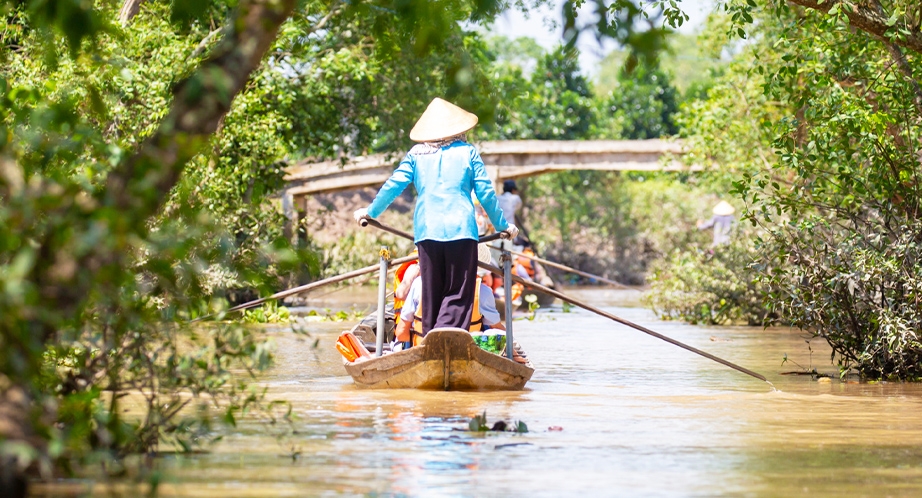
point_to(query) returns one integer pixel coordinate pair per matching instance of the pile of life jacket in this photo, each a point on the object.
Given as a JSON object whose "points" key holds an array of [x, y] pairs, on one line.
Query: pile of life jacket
{"points": [[351, 347]]}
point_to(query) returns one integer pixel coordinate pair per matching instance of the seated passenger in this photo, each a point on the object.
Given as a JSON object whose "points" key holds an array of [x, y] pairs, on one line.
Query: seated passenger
{"points": [[484, 315], [527, 266], [403, 278]]}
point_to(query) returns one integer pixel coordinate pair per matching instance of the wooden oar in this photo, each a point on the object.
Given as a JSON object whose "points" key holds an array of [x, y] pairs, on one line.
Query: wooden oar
{"points": [[561, 266], [645, 330], [313, 285], [572, 270], [400, 233], [597, 311]]}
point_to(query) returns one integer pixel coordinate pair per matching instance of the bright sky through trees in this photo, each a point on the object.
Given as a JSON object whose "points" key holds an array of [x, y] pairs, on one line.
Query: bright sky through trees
{"points": [[543, 25]]}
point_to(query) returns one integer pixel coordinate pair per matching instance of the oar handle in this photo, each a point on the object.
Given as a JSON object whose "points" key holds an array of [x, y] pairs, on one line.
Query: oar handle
{"points": [[377, 224], [400, 233]]}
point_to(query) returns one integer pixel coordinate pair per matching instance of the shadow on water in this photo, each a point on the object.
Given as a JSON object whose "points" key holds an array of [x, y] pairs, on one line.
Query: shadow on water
{"points": [[611, 412]]}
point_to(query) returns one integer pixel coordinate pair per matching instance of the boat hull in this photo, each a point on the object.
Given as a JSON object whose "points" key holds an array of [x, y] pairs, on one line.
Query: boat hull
{"points": [[447, 360]]}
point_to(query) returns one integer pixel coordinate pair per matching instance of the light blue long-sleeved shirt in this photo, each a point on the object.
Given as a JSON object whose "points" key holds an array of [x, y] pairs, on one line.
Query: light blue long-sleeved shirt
{"points": [[444, 181]]}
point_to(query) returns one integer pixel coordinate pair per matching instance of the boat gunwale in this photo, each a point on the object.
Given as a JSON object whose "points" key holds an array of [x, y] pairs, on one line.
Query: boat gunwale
{"points": [[402, 361]]}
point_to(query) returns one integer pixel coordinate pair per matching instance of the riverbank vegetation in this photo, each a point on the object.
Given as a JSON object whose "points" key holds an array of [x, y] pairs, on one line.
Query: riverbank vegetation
{"points": [[816, 126]]}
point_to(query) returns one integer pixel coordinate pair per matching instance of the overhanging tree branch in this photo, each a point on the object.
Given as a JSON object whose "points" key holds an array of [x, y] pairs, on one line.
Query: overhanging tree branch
{"points": [[868, 19], [130, 8], [139, 186]]}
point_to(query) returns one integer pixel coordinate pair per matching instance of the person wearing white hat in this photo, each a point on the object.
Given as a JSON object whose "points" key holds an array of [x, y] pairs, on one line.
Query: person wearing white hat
{"points": [[722, 222], [445, 170]]}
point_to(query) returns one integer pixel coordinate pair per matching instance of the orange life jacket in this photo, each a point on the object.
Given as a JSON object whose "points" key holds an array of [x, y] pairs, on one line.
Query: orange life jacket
{"points": [[398, 277], [416, 330], [517, 290], [526, 262]]}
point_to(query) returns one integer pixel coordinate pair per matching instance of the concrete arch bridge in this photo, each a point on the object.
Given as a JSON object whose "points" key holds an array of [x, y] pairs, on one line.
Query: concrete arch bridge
{"points": [[504, 160]]}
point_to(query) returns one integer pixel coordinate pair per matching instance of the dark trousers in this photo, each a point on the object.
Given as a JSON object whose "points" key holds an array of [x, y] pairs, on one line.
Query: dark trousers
{"points": [[449, 272]]}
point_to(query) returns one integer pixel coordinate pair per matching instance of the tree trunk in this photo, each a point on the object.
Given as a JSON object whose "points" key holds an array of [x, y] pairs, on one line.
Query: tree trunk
{"points": [[130, 8], [139, 186], [869, 20]]}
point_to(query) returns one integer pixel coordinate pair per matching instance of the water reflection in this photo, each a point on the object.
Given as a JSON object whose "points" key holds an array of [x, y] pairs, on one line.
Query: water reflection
{"points": [[639, 417]]}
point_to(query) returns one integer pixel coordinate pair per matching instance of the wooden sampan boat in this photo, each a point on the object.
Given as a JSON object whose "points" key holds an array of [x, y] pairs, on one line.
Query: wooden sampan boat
{"points": [[448, 359]]}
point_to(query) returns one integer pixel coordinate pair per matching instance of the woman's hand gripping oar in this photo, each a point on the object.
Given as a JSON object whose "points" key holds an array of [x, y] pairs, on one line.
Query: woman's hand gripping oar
{"points": [[563, 297]]}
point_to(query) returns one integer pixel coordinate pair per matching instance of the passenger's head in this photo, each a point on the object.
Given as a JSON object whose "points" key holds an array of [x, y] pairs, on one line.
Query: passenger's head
{"points": [[509, 186], [483, 256]]}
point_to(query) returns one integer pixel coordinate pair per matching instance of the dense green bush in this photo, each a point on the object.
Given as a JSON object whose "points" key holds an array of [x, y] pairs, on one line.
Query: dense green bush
{"points": [[817, 125], [862, 292], [714, 286]]}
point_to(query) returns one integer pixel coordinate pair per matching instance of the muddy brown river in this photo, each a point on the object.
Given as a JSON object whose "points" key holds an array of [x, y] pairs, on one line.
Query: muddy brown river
{"points": [[610, 412]]}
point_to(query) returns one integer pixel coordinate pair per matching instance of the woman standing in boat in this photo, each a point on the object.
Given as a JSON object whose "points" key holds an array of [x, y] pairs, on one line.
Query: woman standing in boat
{"points": [[445, 169]]}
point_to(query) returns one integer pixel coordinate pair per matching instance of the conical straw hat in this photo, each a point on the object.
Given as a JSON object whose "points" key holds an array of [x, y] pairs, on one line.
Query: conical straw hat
{"points": [[723, 208], [483, 254], [442, 119]]}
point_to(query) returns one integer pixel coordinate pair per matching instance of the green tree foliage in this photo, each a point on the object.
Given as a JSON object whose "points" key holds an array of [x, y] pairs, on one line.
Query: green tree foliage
{"points": [[846, 220], [555, 103], [96, 282], [817, 124], [643, 102]]}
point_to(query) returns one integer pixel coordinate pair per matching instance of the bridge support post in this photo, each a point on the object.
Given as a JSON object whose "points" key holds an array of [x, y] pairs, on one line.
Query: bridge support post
{"points": [[493, 173], [291, 214]]}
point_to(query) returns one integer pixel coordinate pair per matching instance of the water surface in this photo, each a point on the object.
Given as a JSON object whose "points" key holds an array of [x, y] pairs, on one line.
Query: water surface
{"points": [[611, 412]]}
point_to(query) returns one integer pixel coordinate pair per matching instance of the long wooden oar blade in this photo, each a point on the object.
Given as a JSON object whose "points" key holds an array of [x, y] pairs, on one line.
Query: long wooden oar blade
{"points": [[622, 321], [572, 270], [312, 285]]}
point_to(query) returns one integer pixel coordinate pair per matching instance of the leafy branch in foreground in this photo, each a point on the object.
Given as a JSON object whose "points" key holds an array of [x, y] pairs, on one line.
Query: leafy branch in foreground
{"points": [[83, 323]]}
